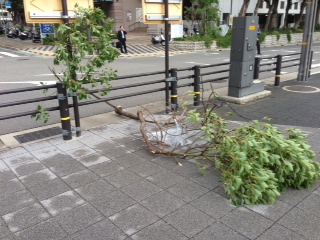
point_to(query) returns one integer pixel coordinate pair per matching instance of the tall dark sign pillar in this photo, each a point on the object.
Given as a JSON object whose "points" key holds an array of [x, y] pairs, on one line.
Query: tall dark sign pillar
{"points": [[242, 55]]}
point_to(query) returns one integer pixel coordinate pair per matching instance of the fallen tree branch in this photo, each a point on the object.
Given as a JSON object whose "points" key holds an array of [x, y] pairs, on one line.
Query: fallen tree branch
{"points": [[149, 145]]}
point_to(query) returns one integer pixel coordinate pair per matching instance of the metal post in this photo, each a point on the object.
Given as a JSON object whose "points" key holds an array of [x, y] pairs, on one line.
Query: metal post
{"points": [[256, 71], [310, 64], [64, 112], [278, 71], [73, 74], [306, 40], [76, 114], [166, 36], [174, 91], [196, 85]]}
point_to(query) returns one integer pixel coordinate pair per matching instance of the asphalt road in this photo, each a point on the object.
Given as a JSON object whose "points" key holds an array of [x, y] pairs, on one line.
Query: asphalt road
{"points": [[22, 69]]}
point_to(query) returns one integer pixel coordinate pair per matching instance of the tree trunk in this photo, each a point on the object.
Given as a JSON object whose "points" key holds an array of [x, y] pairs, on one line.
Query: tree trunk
{"points": [[266, 27], [318, 13], [255, 13], [289, 4], [297, 23], [274, 17], [244, 8]]}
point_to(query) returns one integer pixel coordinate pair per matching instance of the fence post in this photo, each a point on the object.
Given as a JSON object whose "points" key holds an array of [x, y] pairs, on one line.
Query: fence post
{"points": [[174, 91], [64, 112], [196, 85], [310, 64], [256, 71], [278, 71], [76, 113]]}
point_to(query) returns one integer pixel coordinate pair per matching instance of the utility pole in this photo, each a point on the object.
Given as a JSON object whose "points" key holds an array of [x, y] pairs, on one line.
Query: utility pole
{"points": [[166, 51], [311, 6]]}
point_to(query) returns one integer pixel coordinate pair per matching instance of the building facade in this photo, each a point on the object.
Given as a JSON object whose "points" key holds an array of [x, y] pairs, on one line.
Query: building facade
{"points": [[129, 12], [231, 8]]}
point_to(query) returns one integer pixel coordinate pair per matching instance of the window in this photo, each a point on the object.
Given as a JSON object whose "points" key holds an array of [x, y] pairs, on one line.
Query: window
{"points": [[296, 6], [282, 5]]}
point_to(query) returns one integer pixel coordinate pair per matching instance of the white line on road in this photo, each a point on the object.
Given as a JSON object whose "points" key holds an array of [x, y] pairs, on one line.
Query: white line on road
{"points": [[48, 74], [280, 73], [198, 63], [315, 65], [9, 54], [38, 83]]}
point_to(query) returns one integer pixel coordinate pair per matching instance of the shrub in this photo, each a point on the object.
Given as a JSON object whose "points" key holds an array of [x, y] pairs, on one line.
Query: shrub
{"points": [[49, 40], [224, 41], [289, 37]]}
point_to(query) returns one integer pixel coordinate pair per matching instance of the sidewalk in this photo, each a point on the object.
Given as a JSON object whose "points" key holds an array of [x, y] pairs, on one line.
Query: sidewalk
{"points": [[134, 50], [106, 185]]}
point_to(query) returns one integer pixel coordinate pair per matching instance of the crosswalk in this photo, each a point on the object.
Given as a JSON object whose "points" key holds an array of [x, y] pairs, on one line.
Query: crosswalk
{"points": [[9, 54], [132, 50]]}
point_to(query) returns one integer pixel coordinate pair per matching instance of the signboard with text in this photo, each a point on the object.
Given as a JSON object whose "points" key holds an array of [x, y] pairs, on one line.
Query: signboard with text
{"points": [[154, 11], [44, 11]]}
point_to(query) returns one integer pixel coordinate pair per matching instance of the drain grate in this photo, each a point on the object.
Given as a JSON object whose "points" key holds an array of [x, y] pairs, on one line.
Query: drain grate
{"points": [[32, 136]]}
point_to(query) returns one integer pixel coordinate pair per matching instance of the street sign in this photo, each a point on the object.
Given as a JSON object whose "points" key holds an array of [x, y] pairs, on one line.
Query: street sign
{"points": [[8, 4], [44, 11], [154, 11], [46, 28]]}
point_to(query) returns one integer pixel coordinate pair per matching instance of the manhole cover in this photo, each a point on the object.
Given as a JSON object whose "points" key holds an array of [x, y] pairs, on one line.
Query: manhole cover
{"points": [[301, 89]]}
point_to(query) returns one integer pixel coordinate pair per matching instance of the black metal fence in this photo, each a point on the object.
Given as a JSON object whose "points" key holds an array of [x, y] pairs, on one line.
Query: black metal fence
{"points": [[192, 77]]}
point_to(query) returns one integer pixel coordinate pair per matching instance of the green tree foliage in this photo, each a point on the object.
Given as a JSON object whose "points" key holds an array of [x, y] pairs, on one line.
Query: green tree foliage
{"points": [[206, 14], [82, 56], [75, 44], [256, 160], [17, 10]]}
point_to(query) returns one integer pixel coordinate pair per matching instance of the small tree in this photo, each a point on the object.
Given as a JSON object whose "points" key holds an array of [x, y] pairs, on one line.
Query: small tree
{"points": [[75, 44], [83, 50]]}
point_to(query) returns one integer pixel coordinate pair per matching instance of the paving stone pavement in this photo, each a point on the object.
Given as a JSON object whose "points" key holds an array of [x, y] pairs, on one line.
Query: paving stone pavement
{"points": [[106, 185]]}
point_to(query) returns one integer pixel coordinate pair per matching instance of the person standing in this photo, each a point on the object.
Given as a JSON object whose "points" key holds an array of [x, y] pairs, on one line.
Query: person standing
{"points": [[122, 38], [258, 40]]}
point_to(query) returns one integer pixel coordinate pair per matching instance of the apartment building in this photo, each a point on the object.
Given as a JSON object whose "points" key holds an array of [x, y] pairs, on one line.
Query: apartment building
{"points": [[231, 8]]}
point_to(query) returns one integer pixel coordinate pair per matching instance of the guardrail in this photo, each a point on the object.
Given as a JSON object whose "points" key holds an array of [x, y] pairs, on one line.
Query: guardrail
{"points": [[179, 78], [278, 65], [169, 86]]}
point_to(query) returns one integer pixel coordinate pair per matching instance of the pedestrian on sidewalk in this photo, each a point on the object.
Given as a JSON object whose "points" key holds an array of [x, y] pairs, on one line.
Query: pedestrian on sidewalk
{"points": [[122, 39], [258, 40]]}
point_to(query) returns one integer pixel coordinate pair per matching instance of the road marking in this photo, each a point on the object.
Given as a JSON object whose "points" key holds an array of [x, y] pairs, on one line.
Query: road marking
{"points": [[9, 54], [48, 74], [315, 65], [198, 63], [280, 73], [291, 51], [37, 83]]}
